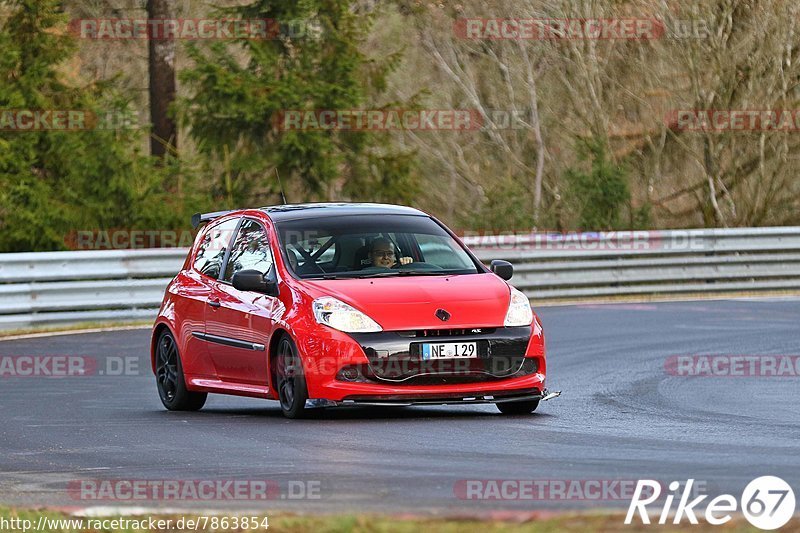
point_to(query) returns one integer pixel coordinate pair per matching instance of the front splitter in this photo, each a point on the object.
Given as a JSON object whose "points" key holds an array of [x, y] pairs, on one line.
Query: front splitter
{"points": [[472, 399]]}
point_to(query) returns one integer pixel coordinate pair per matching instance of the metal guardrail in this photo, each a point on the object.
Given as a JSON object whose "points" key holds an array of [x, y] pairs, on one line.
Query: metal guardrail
{"points": [[39, 289], [50, 288], [584, 265]]}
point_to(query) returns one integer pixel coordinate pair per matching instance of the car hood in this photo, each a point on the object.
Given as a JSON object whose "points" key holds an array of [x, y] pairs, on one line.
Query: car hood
{"points": [[411, 302]]}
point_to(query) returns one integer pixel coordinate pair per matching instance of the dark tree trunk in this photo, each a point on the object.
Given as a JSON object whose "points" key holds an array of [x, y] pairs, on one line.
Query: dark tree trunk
{"points": [[164, 137]]}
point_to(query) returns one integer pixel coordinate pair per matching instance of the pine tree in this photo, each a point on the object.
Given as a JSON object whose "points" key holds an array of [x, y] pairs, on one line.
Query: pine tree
{"points": [[241, 88], [56, 181]]}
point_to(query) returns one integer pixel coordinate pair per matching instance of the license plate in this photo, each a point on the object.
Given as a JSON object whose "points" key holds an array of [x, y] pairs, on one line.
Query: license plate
{"points": [[450, 350]]}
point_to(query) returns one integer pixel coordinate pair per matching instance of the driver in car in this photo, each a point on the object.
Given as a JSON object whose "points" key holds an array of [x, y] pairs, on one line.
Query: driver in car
{"points": [[382, 254]]}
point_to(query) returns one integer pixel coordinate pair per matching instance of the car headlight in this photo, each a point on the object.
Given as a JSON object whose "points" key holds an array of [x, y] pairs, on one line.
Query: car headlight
{"points": [[338, 315], [519, 310]]}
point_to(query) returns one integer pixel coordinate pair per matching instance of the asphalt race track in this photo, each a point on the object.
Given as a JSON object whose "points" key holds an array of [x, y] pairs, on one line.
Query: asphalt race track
{"points": [[622, 416]]}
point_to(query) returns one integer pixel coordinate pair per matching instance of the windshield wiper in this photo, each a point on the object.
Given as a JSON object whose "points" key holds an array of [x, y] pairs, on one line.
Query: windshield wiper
{"points": [[407, 273], [379, 274], [424, 273], [387, 274]]}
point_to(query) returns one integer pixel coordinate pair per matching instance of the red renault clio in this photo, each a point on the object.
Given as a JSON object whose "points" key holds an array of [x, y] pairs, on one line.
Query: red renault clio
{"points": [[322, 305]]}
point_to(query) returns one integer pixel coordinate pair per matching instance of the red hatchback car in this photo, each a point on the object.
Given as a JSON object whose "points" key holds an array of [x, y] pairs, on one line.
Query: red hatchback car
{"points": [[322, 305]]}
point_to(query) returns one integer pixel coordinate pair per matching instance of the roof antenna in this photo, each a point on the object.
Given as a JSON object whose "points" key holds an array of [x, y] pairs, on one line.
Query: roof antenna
{"points": [[283, 196]]}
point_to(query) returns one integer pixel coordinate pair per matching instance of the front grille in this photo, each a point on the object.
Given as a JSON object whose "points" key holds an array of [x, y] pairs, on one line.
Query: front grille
{"points": [[407, 371], [446, 332], [396, 356]]}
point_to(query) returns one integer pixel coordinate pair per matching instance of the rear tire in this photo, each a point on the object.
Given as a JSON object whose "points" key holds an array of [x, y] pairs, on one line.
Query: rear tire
{"points": [[518, 408], [290, 380], [169, 378]]}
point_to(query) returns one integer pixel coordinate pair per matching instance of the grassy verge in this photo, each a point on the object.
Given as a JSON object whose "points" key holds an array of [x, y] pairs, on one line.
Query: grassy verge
{"points": [[512, 523], [77, 328]]}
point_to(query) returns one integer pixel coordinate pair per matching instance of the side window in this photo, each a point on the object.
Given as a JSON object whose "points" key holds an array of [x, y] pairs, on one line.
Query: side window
{"points": [[211, 250], [250, 250]]}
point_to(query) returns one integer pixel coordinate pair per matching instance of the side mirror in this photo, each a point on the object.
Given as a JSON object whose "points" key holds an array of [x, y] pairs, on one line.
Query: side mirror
{"points": [[504, 269], [255, 281]]}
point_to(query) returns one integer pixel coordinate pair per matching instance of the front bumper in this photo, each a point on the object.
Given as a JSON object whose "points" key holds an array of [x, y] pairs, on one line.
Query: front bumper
{"points": [[389, 367]]}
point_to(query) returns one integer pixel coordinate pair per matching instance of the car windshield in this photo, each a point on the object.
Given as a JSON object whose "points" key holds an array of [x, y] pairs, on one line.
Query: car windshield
{"points": [[360, 246]]}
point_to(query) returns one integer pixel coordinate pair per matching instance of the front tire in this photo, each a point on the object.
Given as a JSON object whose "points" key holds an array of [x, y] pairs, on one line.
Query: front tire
{"points": [[290, 380], [169, 378], [518, 408]]}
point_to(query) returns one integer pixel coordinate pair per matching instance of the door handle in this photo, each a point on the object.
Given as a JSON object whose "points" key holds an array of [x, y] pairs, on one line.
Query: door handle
{"points": [[213, 303]]}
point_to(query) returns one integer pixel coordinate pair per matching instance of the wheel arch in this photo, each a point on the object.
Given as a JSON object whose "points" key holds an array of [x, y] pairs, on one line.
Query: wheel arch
{"points": [[272, 351], [158, 329]]}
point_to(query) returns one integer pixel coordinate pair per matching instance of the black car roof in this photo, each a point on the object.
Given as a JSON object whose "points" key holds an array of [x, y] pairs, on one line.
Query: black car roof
{"points": [[295, 211]]}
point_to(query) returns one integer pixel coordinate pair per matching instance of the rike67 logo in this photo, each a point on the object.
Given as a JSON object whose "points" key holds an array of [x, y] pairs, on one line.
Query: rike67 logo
{"points": [[767, 503]]}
